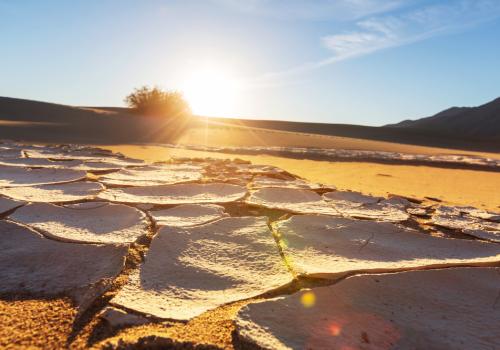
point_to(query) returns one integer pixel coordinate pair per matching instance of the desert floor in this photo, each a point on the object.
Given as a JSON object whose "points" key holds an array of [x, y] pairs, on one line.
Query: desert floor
{"points": [[54, 322], [223, 135], [452, 186]]}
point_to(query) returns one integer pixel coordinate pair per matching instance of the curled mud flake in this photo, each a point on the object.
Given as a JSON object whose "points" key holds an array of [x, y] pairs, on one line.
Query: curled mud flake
{"points": [[119, 318], [468, 220]]}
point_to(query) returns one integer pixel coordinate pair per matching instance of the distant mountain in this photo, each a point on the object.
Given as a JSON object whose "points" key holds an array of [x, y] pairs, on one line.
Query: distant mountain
{"points": [[482, 122]]}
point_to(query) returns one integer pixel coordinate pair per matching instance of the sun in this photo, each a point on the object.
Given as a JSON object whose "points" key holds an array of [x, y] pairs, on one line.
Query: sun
{"points": [[211, 92]]}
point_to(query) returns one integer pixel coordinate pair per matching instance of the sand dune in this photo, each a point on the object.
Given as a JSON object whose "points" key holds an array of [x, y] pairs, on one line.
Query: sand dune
{"points": [[36, 121], [222, 135]]}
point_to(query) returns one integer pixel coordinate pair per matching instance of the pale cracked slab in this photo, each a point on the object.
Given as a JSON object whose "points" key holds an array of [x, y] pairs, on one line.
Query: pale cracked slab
{"points": [[153, 175], [357, 205], [7, 204], [176, 194], [7, 153], [102, 165], [188, 215], [92, 222], [31, 263], [16, 176], [98, 166], [67, 153], [485, 234], [408, 310], [469, 220], [482, 214], [350, 198], [323, 246], [189, 271], [290, 199], [267, 181], [58, 193], [40, 163], [378, 211], [258, 169]]}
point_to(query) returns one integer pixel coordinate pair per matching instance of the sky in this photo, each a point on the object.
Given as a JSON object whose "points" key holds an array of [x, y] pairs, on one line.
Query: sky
{"points": [[369, 62]]}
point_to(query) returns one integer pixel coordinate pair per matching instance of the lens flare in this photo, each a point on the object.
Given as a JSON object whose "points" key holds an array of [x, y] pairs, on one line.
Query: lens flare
{"points": [[334, 329], [308, 299]]}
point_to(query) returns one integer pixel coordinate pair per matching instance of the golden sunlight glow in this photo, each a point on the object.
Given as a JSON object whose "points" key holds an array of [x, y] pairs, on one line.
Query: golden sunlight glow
{"points": [[211, 92]]}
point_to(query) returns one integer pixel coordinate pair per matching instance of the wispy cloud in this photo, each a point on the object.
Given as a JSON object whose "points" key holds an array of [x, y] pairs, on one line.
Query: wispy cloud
{"points": [[344, 10], [380, 32], [388, 31]]}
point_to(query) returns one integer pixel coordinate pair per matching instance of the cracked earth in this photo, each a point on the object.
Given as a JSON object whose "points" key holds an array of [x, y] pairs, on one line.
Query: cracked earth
{"points": [[101, 251]]}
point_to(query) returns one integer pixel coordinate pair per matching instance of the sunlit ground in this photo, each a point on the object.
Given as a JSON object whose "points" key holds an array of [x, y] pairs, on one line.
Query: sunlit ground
{"points": [[457, 187]]}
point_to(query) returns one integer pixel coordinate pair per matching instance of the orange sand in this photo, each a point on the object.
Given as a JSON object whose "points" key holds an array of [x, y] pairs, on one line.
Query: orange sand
{"points": [[452, 186], [237, 136]]}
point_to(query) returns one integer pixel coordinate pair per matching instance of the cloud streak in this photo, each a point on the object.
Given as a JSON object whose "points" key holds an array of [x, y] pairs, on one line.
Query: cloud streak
{"points": [[315, 9], [387, 31]]}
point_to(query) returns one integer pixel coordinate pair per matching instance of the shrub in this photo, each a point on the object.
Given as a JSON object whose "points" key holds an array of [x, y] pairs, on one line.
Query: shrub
{"points": [[157, 102]]}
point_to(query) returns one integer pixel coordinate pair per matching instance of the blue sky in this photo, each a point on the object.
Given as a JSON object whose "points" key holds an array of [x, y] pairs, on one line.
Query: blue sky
{"points": [[368, 62]]}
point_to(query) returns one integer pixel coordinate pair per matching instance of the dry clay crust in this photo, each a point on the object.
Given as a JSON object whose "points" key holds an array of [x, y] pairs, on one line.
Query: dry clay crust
{"points": [[472, 221], [358, 205], [74, 164], [57, 193], [188, 215], [409, 310], [92, 222], [350, 198], [300, 201], [31, 263], [59, 153], [7, 204], [16, 176], [189, 271], [328, 247], [351, 204], [153, 175], [262, 181], [39, 163], [10, 153], [176, 194]]}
